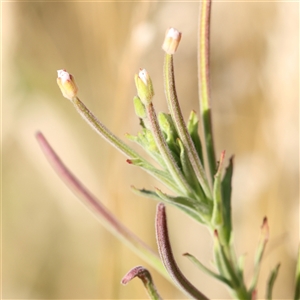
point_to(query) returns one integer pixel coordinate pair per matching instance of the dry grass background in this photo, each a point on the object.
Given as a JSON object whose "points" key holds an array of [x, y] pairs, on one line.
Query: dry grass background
{"points": [[52, 247]]}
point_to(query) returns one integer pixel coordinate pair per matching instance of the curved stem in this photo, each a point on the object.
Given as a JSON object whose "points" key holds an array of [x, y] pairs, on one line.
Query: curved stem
{"points": [[103, 214], [167, 257]]}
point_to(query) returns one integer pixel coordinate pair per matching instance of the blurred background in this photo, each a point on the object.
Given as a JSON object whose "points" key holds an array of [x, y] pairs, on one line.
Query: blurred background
{"points": [[52, 247]]}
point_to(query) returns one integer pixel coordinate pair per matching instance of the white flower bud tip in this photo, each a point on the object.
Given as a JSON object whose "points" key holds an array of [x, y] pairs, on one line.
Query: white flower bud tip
{"points": [[63, 75], [66, 84], [171, 42], [143, 74]]}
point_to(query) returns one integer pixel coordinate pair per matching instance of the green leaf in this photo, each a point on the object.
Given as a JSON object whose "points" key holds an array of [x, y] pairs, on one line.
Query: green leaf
{"points": [[206, 270], [162, 176], [226, 198], [271, 282], [187, 205], [192, 127], [217, 216]]}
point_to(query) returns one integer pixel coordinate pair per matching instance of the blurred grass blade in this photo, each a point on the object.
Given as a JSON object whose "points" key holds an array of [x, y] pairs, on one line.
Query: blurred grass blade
{"points": [[110, 222], [297, 283], [206, 270], [271, 282], [146, 278]]}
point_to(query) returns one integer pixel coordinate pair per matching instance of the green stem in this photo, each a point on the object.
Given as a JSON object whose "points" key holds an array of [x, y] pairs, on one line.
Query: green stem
{"points": [[91, 119], [184, 135], [104, 215], [204, 84], [166, 153]]}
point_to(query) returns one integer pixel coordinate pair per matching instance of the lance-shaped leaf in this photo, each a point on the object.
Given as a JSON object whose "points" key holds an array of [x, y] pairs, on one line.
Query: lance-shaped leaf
{"points": [[98, 209], [181, 203], [163, 176], [196, 210], [192, 127], [264, 237], [226, 198], [146, 278], [217, 216], [206, 270], [228, 269], [271, 282], [167, 257]]}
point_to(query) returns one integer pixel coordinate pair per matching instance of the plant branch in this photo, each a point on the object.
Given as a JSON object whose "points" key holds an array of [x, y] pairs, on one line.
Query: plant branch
{"points": [[110, 222], [204, 83]]}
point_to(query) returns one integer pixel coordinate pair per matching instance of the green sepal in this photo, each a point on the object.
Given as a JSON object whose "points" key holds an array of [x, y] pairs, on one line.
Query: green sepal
{"points": [[144, 87], [139, 108], [271, 282], [226, 198], [192, 126], [206, 270]]}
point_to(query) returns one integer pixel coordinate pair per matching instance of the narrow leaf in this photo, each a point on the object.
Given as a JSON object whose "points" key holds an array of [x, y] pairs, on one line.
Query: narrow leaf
{"points": [[271, 282], [226, 198], [206, 270]]}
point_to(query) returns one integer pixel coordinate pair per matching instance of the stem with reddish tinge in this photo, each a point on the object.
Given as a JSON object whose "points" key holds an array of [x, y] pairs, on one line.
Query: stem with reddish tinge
{"points": [[204, 84], [167, 257], [106, 217]]}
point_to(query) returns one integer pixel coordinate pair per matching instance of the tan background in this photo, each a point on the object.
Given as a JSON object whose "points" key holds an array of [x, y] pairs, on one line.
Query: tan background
{"points": [[52, 247]]}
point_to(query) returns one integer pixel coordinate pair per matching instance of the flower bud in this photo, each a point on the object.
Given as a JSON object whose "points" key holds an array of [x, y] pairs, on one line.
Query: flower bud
{"points": [[144, 87], [171, 42], [66, 84]]}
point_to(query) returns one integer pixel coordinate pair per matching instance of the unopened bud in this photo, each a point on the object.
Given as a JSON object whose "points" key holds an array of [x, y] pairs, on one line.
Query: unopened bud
{"points": [[66, 84], [144, 87], [172, 40]]}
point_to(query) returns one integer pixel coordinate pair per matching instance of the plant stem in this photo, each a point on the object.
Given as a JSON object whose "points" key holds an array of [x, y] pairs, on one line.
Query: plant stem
{"points": [[106, 217], [166, 153], [204, 84], [178, 120]]}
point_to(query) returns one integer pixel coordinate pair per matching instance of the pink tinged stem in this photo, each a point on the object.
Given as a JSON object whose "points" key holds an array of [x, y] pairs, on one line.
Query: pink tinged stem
{"points": [[146, 278], [166, 254], [104, 216]]}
